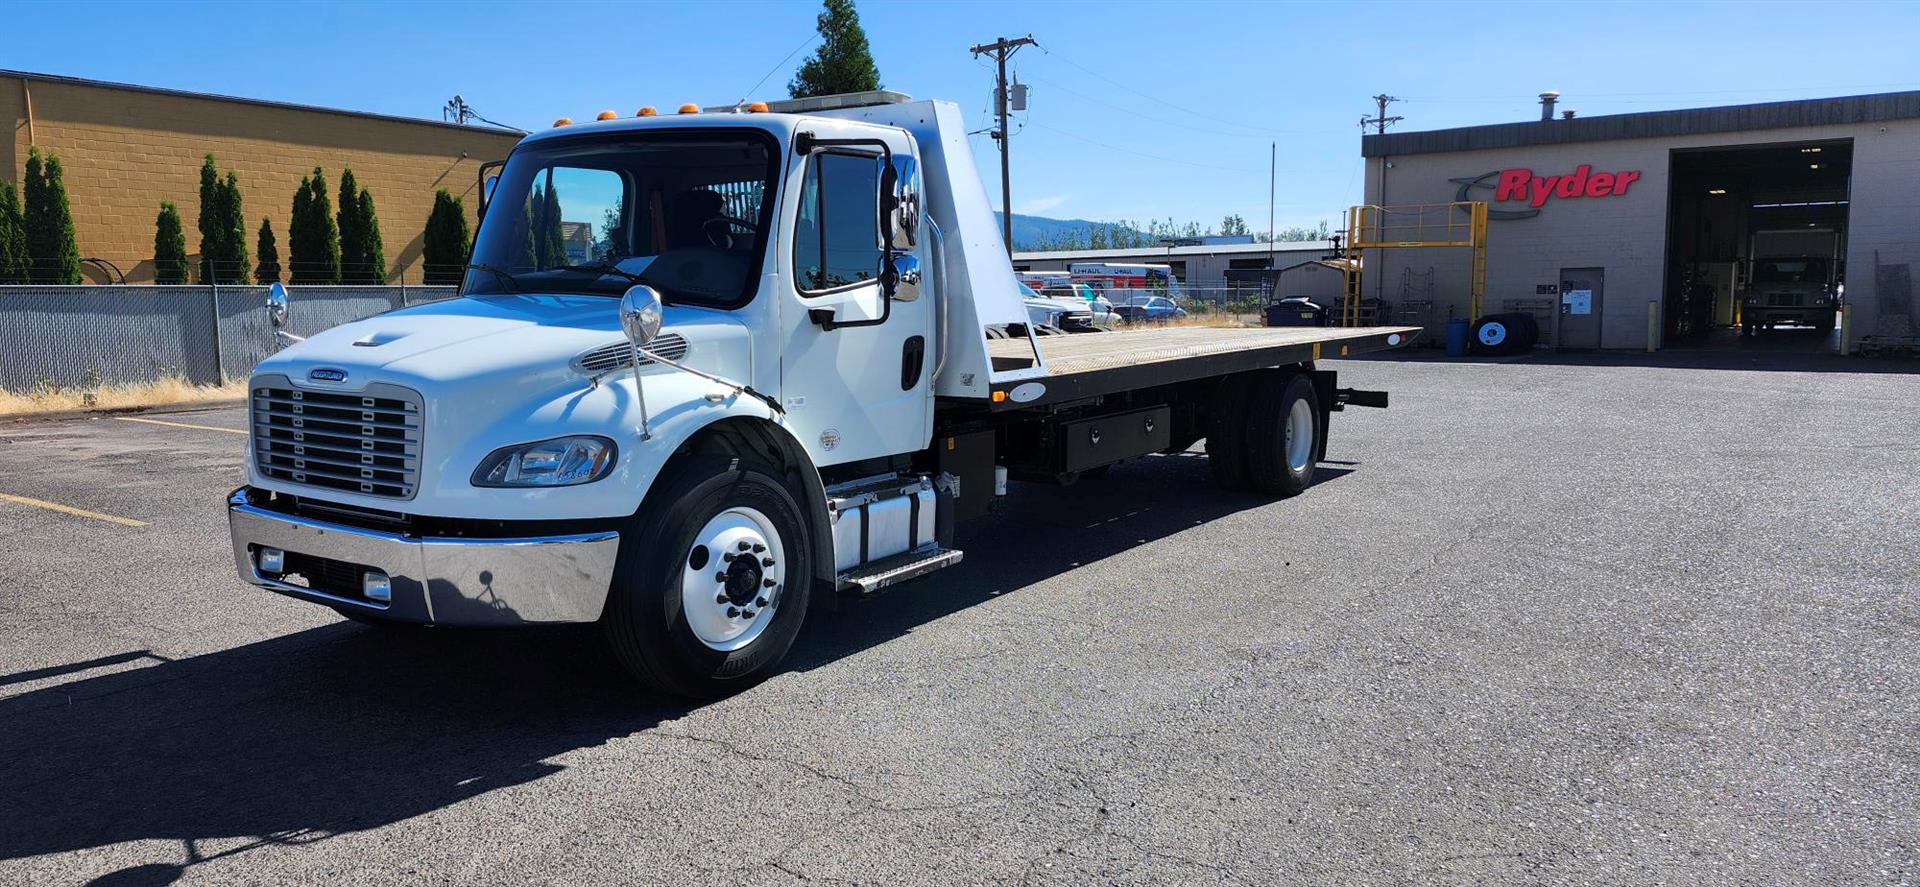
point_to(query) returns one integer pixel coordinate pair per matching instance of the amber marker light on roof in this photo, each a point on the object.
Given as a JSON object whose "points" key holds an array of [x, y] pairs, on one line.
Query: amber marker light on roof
{"points": [[647, 111], [689, 108], [564, 121], [757, 108], [606, 115]]}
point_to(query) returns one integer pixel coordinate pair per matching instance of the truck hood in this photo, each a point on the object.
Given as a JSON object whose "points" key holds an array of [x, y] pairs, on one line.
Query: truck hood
{"points": [[519, 341]]}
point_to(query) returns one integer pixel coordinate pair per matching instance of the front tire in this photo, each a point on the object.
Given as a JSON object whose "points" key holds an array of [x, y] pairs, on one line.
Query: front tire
{"points": [[712, 581]]}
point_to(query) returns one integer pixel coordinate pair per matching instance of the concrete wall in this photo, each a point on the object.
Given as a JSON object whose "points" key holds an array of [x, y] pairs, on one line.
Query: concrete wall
{"points": [[1627, 234], [126, 149], [85, 336]]}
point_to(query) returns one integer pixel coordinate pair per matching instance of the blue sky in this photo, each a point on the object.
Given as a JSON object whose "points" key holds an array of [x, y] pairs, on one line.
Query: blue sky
{"points": [[1140, 110]]}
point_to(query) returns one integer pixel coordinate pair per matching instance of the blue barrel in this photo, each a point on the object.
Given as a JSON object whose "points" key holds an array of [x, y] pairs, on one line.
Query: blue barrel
{"points": [[1457, 338]]}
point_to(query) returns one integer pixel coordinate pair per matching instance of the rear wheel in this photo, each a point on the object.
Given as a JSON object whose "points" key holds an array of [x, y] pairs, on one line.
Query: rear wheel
{"points": [[712, 581], [1283, 434]]}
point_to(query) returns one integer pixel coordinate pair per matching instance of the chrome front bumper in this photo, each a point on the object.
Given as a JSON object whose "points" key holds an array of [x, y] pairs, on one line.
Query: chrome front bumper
{"points": [[442, 581]]}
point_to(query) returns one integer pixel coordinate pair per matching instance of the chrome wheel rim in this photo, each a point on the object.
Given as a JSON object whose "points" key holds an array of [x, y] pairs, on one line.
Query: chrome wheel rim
{"points": [[1299, 442], [731, 578]]}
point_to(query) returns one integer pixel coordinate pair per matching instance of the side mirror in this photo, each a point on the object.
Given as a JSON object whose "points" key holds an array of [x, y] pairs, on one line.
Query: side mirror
{"points": [[277, 305], [641, 315], [903, 279], [486, 191], [905, 217]]}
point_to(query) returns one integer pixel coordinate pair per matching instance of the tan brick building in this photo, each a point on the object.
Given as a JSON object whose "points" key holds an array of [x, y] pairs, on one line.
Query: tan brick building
{"points": [[126, 148]]}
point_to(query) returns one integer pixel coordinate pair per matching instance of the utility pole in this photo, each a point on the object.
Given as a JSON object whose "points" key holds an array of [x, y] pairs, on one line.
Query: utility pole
{"points": [[1002, 49], [1380, 121]]}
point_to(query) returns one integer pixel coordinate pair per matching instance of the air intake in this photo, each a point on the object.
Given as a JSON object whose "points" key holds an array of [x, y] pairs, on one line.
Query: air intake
{"points": [[671, 346]]}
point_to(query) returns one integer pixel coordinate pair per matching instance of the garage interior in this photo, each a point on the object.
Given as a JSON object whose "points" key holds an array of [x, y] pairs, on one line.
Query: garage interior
{"points": [[1718, 199]]}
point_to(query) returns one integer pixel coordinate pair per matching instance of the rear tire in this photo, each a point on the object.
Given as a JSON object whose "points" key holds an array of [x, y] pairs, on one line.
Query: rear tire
{"points": [[1283, 434], [666, 620], [1226, 432]]}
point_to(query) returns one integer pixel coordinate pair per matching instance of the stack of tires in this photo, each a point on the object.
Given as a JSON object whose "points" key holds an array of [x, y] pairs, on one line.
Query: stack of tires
{"points": [[1498, 334]]}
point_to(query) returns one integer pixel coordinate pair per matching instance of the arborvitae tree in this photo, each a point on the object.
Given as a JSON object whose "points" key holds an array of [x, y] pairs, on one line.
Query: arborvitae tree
{"points": [[373, 253], [298, 238], [843, 62], [212, 241], [169, 247], [443, 251], [314, 241], [268, 271], [353, 243], [50, 240], [16, 266], [549, 246], [233, 224]]}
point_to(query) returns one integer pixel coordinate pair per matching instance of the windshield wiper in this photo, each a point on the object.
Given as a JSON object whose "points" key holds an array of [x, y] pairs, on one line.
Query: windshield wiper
{"points": [[605, 268], [503, 275]]}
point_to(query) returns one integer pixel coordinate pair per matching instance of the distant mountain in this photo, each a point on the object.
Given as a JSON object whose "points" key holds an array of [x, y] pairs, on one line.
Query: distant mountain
{"points": [[1036, 232]]}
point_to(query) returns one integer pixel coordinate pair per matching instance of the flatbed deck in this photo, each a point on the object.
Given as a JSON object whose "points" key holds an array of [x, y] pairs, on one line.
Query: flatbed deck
{"points": [[1092, 364]]}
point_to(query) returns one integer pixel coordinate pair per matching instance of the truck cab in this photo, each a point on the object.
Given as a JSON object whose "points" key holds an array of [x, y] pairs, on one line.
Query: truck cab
{"points": [[705, 368]]}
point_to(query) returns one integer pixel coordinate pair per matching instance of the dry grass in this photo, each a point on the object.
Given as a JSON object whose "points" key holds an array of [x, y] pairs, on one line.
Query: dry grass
{"points": [[1216, 320], [168, 390]]}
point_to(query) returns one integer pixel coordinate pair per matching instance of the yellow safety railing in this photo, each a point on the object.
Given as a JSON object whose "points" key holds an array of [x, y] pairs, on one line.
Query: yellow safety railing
{"points": [[1417, 226]]}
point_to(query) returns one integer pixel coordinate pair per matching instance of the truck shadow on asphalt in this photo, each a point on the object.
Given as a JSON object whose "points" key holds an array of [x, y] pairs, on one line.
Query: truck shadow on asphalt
{"points": [[344, 728]]}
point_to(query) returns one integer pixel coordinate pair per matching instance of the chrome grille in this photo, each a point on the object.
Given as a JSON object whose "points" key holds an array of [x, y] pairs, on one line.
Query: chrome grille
{"points": [[365, 442], [671, 346]]}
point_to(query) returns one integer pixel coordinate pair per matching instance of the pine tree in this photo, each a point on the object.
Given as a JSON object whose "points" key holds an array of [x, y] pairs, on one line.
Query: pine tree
{"points": [[51, 245], [169, 247], [549, 247], [843, 62], [373, 253], [353, 244], [15, 264], [268, 270], [443, 251]]}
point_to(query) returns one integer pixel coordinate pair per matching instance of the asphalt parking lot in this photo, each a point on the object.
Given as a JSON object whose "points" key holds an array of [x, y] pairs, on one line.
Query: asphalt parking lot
{"points": [[1539, 623]]}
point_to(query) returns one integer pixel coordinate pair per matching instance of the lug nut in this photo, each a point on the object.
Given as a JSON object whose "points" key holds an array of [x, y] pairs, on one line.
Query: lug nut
{"points": [[748, 614], [759, 602], [744, 545], [720, 576], [719, 598], [732, 612], [758, 548], [728, 557], [769, 583], [766, 562]]}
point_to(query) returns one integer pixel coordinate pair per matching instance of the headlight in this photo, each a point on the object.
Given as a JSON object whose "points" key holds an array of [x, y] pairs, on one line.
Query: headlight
{"points": [[560, 462]]}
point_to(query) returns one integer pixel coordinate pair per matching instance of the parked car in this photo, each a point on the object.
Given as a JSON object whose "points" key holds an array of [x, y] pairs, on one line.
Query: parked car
{"points": [[1071, 315], [1103, 316], [1153, 309]]}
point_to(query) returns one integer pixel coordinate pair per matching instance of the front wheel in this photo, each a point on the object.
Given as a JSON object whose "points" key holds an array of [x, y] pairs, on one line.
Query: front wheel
{"points": [[712, 580]]}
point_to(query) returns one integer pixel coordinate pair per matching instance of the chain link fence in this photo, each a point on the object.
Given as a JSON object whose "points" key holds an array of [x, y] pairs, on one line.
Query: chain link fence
{"points": [[83, 337]]}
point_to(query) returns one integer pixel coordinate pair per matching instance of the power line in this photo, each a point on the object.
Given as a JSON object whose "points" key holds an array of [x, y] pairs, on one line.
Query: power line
{"points": [[1157, 100], [1089, 141]]}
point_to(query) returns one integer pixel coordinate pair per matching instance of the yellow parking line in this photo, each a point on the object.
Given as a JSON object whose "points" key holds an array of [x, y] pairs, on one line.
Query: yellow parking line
{"points": [[182, 425], [76, 512]]}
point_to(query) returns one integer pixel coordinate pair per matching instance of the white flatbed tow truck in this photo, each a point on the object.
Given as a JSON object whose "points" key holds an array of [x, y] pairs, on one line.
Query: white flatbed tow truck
{"points": [[709, 366]]}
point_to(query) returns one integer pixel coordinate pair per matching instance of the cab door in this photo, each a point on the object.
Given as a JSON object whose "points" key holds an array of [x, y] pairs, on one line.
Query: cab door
{"points": [[858, 354]]}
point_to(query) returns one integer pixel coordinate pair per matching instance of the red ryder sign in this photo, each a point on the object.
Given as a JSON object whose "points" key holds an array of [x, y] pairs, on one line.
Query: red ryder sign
{"points": [[1522, 184]]}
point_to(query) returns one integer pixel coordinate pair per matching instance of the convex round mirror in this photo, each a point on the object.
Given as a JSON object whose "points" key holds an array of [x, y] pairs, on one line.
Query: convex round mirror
{"points": [[277, 305], [640, 315]]}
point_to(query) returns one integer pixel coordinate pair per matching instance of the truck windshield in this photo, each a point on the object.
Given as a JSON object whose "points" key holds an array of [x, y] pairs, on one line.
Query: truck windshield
{"points": [[1810, 270], [684, 212]]}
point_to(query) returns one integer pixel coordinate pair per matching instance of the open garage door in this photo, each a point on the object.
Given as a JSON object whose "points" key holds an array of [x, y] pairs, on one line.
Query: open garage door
{"points": [[1756, 246]]}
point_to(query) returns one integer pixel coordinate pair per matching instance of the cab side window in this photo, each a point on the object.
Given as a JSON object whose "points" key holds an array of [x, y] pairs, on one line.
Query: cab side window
{"points": [[836, 241]]}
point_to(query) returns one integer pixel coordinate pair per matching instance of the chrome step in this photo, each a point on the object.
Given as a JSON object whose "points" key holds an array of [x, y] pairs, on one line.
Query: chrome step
{"points": [[880, 574]]}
